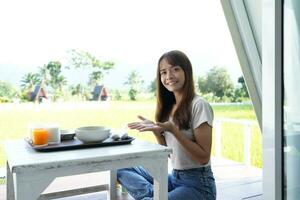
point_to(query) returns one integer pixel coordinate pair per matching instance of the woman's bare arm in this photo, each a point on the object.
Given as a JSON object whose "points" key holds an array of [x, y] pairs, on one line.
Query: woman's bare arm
{"points": [[201, 148]]}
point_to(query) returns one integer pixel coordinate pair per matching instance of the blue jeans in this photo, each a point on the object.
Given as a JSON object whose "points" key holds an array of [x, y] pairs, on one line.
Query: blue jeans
{"points": [[190, 184]]}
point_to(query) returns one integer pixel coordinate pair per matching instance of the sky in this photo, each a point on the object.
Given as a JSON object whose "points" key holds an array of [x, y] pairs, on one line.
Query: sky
{"points": [[131, 33]]}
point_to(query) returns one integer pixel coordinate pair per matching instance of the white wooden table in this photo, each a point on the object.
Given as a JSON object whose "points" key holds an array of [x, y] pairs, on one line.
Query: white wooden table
{"points": [[30, 172]]}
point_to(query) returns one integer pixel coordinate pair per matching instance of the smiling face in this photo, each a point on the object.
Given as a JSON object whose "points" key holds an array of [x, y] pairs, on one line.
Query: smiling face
{"points": [[175, 88], [172, 77]]}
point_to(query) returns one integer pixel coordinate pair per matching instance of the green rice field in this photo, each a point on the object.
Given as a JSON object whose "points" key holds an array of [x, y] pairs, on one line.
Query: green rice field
{"points": [[15, 119]]}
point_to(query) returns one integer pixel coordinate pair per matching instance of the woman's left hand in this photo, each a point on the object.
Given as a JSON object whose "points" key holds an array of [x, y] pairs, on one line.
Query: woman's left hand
{"points": [[167, 126]]}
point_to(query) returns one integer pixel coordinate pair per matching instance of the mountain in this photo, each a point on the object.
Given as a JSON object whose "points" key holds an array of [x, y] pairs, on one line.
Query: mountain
{"points": [[12, 74], [115, 79]]}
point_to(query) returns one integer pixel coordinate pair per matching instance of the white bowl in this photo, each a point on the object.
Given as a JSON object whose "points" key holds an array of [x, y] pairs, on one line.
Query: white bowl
{"points": [[92, 133]]}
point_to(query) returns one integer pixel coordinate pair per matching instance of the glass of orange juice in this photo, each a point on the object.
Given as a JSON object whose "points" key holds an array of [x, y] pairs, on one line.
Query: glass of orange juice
{"points": [[39, 136]]}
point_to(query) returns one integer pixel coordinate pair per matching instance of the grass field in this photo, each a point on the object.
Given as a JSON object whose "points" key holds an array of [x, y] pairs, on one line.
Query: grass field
{"points": [[14, 121]]}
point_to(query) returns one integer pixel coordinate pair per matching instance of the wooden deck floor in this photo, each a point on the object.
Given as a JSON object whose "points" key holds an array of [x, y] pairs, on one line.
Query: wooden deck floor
{"points": [[234, 180]]}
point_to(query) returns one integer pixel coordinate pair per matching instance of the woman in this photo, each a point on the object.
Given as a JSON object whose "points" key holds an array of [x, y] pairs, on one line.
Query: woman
{"points": [[184, 122]]}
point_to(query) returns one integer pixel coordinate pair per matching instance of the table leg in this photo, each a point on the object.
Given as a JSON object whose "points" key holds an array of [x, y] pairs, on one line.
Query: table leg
{"points": [[160, 176], [9, 184], [30, 186], [161, 185], [113, 185]]}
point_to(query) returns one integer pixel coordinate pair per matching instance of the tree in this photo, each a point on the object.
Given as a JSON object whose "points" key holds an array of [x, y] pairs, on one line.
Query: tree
{"points": [[202, 84], [88, 62], [117, 95], [80, 91], [241, 92], [243, 88], [152, 86], [49, 75], [7, 92], [75, 89], [57, 80], [135, 82], [217, 81], [43, 75], [85, 60], [29, 81]]}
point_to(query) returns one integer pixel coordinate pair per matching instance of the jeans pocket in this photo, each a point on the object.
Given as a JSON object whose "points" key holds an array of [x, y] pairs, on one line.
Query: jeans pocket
{"points": [[207, 183]]}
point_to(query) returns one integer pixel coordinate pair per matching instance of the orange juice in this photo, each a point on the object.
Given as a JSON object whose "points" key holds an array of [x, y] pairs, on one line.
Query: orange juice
{"points": [[40, 136]]}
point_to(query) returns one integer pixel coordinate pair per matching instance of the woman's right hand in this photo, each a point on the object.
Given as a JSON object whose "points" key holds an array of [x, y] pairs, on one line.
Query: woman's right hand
{"points": [[145, 125]]}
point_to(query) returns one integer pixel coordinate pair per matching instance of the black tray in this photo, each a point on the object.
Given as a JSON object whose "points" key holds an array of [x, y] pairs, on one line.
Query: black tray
{"points": [[77, 144]]}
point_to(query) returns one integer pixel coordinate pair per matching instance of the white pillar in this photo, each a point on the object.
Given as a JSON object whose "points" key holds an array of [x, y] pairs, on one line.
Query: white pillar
{"points": [[247, 143], [218, 132]]}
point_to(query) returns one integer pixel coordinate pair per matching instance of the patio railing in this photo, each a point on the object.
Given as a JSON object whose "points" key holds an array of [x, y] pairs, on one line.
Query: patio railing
{"points": [[246, 133]]}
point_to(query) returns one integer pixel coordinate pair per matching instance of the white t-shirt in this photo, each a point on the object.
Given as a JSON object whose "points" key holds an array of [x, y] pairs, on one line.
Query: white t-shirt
{"points": [[201, 113]]}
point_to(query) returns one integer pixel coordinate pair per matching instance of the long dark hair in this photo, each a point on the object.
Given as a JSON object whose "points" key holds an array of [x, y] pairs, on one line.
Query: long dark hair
{"points": [[166, 99]]}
